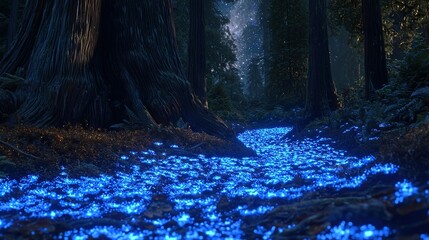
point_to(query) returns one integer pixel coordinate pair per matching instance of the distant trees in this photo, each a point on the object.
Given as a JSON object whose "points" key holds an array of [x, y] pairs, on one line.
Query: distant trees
{"points": [[264, 14], [220, 70], [402, 21], [321, 97], [221, 53], [255, 84], [394, 24], [98, 64], [285, 49]]}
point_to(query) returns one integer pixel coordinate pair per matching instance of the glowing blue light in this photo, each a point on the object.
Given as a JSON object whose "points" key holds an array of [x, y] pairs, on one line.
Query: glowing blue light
{"points": [[183, 219], [5, 224], [244, 211], [424, 236], [368, 234], [266, 234], [6, 186], [158, 144], [211, 233], [347, 230], [388, 168], [404, 190], [283, 171]]}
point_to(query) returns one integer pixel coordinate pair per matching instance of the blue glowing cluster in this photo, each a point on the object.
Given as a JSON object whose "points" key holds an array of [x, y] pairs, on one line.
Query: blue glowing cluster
{"points": [[404, 190], [346, 230], [206, 194]]}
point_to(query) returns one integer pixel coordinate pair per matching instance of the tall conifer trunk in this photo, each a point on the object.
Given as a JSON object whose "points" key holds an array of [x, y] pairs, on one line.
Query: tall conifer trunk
{"points": [[375, 56], [13, 22], [321, 96]]}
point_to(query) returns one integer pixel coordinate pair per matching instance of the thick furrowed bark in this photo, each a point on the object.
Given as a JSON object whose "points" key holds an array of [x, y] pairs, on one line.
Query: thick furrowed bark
{"points": [[20, 50], [61, 67], [142, 54]]}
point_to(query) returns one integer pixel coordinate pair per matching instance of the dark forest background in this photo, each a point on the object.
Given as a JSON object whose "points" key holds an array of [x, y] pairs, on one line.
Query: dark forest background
{"points": [[274, 83]]}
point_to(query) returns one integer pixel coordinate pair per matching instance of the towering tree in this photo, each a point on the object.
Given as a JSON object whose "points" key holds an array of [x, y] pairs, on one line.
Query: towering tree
{"points": [[321, 97], [287, 68], [13, 22], [375, 56], [99, 62], [196, 50]]}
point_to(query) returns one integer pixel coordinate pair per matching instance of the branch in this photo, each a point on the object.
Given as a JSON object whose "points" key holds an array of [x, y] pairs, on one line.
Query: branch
{"points": [[18, 150]]}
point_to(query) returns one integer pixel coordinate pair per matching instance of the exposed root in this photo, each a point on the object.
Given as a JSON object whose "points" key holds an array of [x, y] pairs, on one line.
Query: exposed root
{"points": [[18, 150]]}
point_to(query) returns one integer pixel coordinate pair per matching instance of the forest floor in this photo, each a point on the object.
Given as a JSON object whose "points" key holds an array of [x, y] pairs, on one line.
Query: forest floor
{"points": [[75, 182], [89, 152]]}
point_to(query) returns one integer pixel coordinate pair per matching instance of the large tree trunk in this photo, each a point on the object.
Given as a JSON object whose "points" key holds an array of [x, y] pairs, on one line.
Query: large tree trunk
{"points": [[19, 52], [196, 50], [321, 97], [13, 22], [375, 56], [97, 62], [65, 82]]}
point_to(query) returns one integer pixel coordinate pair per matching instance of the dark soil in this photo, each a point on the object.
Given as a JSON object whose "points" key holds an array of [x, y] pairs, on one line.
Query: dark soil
{"points": [[43, 151]]}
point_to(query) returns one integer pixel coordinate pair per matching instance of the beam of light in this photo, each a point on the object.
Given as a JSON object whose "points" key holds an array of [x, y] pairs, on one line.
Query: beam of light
{"points": [[208, 196]]}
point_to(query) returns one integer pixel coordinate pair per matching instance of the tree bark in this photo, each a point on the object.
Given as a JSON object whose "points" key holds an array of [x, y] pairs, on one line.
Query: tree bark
{"points": [[196, 50], [98, 62], [19, 52], [65, 84], [375, 56], [13, 22], [321, 94]]}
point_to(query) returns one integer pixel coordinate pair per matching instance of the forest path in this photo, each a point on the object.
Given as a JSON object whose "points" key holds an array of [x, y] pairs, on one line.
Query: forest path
{"points": [[300, 188]]}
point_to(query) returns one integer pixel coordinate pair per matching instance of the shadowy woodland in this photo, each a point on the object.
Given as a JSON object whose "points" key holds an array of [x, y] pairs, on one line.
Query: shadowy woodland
{"points": [[288, 79], [84, 83]]}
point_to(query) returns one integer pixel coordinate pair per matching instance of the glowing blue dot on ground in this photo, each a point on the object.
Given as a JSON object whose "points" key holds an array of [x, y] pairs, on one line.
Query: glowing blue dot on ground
{"points": [[347, 230], [404, 190]]}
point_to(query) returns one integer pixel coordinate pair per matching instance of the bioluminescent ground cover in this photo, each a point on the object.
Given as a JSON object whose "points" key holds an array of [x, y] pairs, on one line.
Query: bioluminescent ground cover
{"points": [[174, 197]]}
